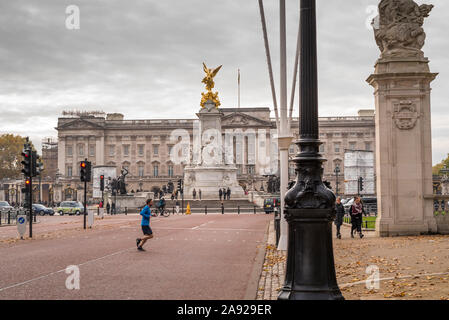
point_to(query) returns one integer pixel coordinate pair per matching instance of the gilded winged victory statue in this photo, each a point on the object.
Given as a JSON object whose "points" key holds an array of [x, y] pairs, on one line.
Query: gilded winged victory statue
{"points": [[210, 84]]}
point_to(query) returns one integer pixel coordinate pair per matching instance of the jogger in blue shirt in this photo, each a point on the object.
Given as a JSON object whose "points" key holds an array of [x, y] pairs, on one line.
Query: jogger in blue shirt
{"points": [[146, 229]]}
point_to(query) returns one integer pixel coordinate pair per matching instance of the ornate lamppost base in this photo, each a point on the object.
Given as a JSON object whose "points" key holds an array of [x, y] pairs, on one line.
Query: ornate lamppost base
{"points": [[310, 266]]}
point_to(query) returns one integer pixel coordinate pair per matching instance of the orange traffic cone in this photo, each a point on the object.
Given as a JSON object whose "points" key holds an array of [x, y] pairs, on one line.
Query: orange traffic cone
{"points": [[188, 209]]}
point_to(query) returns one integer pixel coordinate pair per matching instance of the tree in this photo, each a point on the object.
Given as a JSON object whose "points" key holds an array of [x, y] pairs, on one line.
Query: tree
{"points": [[11, 147], [436, 168]]}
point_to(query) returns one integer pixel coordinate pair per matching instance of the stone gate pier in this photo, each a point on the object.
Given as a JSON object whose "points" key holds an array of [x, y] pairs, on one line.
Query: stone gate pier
{"points": [[401, 81]]}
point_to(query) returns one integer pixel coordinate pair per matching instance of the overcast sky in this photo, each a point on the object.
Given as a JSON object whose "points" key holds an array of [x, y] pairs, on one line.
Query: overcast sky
{"points": [[143, 58]]}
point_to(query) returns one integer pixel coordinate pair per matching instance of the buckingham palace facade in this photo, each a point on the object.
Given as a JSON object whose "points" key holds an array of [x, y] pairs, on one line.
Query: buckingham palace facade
{"points": [[144, 146]]}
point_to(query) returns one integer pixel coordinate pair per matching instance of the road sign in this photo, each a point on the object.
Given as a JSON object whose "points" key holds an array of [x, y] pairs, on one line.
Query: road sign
{"points": [[21, 225]]}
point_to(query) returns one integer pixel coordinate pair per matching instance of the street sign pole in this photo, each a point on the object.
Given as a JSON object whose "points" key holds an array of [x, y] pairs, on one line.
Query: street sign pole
{"points": [[21, 225], [85, 199], [30, 201]]}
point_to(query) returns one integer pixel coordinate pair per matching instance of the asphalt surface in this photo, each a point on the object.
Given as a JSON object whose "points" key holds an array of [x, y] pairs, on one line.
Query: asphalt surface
{"points": [[190, 257]]}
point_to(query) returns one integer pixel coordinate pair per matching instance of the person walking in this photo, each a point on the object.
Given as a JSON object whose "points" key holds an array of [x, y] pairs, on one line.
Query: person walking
{"points": [[199, 193], [356, 212], [224, 194], [339, 217], [194, 194], [108, 208], [228, 192], [220, 193], [145, 224]]}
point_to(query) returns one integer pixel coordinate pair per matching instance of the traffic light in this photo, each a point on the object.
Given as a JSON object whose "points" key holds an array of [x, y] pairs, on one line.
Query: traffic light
{"points": [[180, 185], [34, 164], [101, 183], [361, 183], [27, 155], [85, 171]]}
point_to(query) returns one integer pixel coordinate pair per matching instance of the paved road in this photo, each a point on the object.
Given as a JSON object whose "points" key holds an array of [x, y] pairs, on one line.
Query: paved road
{"points": [[191, 257]]}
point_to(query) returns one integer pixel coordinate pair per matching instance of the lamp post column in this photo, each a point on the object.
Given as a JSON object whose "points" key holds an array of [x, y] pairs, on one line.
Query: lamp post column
{"points": [[310, 205]]}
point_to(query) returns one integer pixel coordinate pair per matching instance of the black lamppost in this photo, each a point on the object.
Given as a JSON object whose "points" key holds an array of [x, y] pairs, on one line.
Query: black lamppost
{"points": [[337, 172], [309, 205]]}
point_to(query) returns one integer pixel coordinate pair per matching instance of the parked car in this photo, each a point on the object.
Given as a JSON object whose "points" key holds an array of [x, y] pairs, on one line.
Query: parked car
{"points": [[4, 206], [348, 205], [370, 205], [42, 210], [270, 203], [70, 208]]}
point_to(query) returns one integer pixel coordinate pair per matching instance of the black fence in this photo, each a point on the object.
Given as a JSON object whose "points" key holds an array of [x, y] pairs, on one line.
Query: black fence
{"points": [[367, 224], [9, 217], [222, 209]]}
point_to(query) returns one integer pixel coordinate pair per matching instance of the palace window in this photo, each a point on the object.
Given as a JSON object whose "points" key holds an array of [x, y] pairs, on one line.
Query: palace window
{"points": [[292, 149], [81, 150], [169, 148], [291, 170], [69, 171], [156, 150], [156, 171], [251, 169], [126, 150], [322, 147], [352, 145], [141, 150], [69, 151], [141, 170], [91, 151], [368, 146], [111, 151], [337, 147], [170, 171]]}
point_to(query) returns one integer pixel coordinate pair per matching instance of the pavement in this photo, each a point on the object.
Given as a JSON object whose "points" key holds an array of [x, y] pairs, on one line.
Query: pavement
{"points": [[191, 257], [408, 268]]}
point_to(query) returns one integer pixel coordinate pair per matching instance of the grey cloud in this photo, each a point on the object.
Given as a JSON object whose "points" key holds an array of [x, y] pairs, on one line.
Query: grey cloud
{"points": [[143, 58]]}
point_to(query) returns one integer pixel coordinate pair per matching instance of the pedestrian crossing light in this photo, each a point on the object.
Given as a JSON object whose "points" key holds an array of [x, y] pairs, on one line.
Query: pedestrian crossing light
{"points": [[85, 171]]}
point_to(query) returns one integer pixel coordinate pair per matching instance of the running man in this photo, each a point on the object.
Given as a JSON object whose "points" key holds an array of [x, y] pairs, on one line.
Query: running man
{"points": [[147, 232]]}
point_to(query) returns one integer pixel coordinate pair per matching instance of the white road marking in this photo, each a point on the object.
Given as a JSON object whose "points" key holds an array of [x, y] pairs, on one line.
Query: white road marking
{"points": [[209, 229], [202, 225], [392, 278], [63, 270]]}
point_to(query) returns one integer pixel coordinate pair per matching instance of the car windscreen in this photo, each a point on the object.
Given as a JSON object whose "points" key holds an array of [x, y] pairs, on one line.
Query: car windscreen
{"points": [[4, 204]]}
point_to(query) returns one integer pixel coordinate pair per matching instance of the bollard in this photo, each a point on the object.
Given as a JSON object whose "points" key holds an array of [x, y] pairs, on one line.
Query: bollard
{"points": [[205, 210], [98, 211], [277, 225], [238, 209], [222, 208], [126, 211], [9, 217], [34, 217], [254, 209], [366, 224]]}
